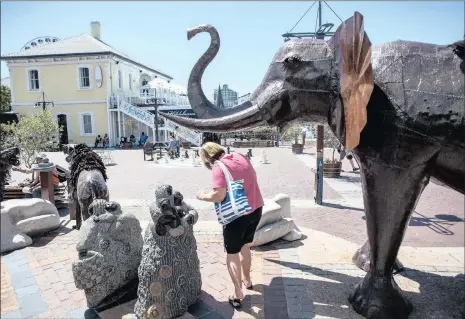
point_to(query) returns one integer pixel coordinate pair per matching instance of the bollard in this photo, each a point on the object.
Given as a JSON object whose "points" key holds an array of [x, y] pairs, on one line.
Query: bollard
{"points": [[263, 158]]}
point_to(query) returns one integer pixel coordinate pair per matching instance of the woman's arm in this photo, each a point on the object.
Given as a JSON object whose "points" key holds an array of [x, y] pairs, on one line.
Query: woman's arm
{"points": [[216, 196], [22, 170], [36, 181]]}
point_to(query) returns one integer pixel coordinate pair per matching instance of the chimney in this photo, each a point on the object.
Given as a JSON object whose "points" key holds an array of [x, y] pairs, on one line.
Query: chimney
{"points": [[95, 29]]}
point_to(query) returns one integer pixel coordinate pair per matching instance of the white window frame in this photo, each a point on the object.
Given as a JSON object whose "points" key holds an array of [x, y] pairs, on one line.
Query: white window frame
{"points": [[130, 81], [81, 123], [28, 80], [120, 79], [78, 77]]}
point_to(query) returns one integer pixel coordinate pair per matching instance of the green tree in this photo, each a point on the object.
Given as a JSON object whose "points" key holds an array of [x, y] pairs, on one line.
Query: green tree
{"points": [[292, 132], [34, 133], [5, 99], [330, 141]]}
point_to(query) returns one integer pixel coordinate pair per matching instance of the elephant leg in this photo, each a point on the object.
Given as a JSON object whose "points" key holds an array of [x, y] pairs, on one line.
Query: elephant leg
{"points": [[390, 195], [361, 259]]}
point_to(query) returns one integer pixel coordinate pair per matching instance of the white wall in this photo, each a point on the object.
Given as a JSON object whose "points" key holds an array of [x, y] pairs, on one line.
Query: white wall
{"points": [[127, 68]]}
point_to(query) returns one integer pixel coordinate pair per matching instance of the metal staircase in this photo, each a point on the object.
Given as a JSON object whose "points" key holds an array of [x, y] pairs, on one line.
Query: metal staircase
{"points": [[148, 118]]}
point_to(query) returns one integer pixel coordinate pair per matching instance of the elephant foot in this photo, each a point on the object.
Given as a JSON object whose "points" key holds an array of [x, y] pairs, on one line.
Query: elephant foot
{"points": [[361, 259], [379, 298]]}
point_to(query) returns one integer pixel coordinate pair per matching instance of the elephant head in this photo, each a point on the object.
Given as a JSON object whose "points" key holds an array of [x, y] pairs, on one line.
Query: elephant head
{"points": [[308, 79]]}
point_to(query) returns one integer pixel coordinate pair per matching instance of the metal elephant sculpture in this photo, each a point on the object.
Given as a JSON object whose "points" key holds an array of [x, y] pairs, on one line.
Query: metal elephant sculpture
{"points": [[88, 180], [397, 106]]}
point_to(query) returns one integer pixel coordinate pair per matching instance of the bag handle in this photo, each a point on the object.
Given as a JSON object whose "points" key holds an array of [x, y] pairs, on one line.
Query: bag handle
{"points": [[228, 176]]}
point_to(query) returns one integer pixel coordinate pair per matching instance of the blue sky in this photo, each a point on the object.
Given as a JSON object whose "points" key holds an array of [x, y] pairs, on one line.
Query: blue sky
{"points": [[155, 32]]}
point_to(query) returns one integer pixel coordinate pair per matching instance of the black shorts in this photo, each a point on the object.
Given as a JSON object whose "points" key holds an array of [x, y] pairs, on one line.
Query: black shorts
{"points": [[241, 231]]}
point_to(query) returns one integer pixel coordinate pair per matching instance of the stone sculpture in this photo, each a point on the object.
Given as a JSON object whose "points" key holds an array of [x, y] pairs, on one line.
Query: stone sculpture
{"points": [[169, 272], [397, 106], [88, 180], [8, 157], [276, 222], [21, 218], [109, 248]]}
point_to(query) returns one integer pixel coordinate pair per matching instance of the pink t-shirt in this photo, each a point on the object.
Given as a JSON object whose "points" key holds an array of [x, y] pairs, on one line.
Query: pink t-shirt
{"points": [[240, 168]]}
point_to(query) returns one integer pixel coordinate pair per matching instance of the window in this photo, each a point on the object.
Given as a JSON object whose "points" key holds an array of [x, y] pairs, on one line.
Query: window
{"points": [[84, 78], [120, 80], [87, 123], [130, 82], [33, 80]]}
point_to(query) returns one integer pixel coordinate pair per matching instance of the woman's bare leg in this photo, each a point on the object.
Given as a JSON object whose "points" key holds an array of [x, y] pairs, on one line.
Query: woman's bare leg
{"points": [[234, 267], [246, 262]]}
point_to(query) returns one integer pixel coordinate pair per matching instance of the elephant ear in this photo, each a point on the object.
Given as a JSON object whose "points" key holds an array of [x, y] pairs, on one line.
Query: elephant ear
{"points": [[352, 52]]}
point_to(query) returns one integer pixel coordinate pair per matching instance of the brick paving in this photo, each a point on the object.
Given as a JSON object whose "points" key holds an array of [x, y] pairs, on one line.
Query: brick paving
{"points": [[305, 279]]}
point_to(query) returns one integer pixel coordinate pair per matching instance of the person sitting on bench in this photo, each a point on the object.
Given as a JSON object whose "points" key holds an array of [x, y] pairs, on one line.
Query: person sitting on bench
{"points": [[142, 139], [98, 140], [132, 140], [106, 140], [33, 190]]}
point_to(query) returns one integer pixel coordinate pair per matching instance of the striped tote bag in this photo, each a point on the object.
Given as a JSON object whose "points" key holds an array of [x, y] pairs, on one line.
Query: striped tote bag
{"points": [[235, 204]]}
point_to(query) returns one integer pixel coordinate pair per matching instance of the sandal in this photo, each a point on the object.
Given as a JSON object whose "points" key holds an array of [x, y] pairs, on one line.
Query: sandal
{"points": [[236, 303], [249, 287]]}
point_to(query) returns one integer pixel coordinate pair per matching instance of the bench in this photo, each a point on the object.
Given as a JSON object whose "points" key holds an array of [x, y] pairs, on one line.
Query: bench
{"points": [[148, 150], [245, 144], [16, 192]]}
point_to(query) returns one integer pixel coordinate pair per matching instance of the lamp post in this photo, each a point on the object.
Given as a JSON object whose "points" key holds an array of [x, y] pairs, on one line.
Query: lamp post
{"points": [[44, 103], [157, 103]]}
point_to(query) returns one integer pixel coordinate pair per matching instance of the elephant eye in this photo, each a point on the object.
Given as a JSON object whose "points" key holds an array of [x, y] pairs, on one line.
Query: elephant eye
{"points": [[293, 60]]}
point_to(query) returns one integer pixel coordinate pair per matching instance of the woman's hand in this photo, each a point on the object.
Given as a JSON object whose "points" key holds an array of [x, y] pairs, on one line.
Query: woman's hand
{"points": [[201, 195], [217, 196]]}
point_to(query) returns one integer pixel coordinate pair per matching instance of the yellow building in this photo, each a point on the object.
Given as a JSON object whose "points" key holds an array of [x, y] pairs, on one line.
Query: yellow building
{"points": [[88, 82]]}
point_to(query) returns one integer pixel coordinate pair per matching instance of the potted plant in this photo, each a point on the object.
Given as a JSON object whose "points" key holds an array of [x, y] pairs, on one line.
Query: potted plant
{"points": [[331, 166], [293, 132]]}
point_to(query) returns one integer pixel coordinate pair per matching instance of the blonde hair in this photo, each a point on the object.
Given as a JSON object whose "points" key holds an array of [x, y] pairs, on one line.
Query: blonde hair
{"points": [[210, 152]]}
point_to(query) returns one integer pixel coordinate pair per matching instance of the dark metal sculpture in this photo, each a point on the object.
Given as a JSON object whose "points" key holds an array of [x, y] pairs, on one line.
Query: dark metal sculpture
{"points": [[88, 180], [398, 106], [8, 158]]}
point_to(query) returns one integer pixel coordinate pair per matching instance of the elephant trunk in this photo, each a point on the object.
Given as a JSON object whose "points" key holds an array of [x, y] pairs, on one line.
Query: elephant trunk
{"points": [[197, 99], [247, 118]]}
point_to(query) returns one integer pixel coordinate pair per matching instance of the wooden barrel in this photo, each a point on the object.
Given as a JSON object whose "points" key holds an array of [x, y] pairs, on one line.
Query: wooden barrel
{"points": [[297, 148], [331, 170]]}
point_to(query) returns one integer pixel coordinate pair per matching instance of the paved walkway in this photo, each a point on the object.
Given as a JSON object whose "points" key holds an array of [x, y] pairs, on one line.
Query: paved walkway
{"points": [[305, 279], [310, 278]]}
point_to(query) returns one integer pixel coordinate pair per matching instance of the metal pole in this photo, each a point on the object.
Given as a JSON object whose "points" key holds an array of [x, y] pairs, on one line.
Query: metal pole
{"points": [[156, 122], [319, 165], [319, 13]]}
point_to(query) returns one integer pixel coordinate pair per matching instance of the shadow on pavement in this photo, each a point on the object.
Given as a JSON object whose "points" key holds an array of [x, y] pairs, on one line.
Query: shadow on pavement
{"points": [[435, 223], [338, 206], [438, 297]]}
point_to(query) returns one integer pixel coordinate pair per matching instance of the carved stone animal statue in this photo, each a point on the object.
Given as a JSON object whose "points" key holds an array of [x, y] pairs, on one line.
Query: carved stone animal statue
{"points": [[8, 157], [169, 273], [88, 180], [397, 106], [109, 248]]}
